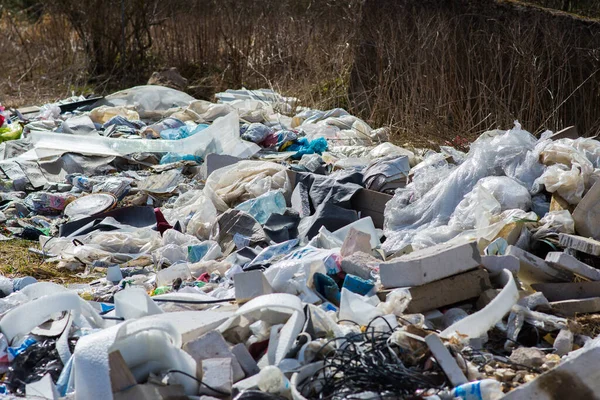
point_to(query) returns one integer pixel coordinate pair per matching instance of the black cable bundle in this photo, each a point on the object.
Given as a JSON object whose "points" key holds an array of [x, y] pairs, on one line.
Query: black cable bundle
{"points": [[368, 362]]}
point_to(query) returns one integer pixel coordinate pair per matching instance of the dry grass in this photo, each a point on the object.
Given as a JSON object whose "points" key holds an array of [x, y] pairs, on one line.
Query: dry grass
{"points": [[17, 261], [437, 72]]}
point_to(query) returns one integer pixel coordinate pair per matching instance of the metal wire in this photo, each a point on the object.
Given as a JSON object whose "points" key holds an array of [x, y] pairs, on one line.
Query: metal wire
{"points": [[368, 362]]}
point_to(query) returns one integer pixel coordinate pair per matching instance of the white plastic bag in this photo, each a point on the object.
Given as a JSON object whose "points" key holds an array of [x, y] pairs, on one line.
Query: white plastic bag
{"points": [[234, 184], [513, 153], [194, 211]]}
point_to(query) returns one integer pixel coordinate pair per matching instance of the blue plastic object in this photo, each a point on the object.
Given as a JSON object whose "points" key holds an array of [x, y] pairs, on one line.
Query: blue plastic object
{"points": [[358, 285], [264, 205], [302, 146]]}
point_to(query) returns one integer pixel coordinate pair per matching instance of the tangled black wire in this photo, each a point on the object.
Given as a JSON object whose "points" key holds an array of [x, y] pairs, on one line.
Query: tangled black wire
{"points": [[369, 362]]}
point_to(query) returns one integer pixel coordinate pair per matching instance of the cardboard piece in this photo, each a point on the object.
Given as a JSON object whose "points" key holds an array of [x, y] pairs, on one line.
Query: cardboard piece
{"points": [[446, 291], [587, 213], [567, 291], [572, 307], [121, 377]]}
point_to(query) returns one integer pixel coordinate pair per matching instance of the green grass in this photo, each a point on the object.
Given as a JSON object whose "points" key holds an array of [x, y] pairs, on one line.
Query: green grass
{"points": [[17, 261]]}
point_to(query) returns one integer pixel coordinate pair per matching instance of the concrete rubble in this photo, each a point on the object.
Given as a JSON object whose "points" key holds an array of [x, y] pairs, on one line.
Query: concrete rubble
{"points": [[237, 249]]}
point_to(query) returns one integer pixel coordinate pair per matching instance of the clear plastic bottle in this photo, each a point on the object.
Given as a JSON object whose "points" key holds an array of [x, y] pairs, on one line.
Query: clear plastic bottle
{"points": [[272, 380], [487, 389]]}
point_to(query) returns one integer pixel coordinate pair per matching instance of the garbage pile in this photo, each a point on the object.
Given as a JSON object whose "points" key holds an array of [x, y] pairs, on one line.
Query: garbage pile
{"points": [[252, 248]]}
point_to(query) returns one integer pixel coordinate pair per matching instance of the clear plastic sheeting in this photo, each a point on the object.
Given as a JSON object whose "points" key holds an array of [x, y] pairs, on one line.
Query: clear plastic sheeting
{"points": [[222, 137], [513, 153], [148, 98], [234, 184], [509, 193], [569, 168], [194, 211]]}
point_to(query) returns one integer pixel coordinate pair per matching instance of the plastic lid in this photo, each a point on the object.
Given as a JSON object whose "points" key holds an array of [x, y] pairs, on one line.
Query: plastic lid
{"points": [[89, 205]]}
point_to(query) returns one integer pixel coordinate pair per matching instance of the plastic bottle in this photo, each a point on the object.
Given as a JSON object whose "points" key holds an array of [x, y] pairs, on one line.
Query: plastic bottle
{"points": [[272, 380], [487, 389]]}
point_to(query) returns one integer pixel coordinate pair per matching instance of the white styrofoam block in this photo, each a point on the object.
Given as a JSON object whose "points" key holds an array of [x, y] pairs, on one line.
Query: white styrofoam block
{"points": [[216, 373], [429, 264], [533, 269], [251, 284], [569, 263]]}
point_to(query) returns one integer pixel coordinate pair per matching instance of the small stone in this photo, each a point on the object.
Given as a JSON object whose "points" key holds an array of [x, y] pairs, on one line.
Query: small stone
{"points": [[528, 356], [529, 378], [509, 376], [552, 360], [488, 369], [519, 377]]}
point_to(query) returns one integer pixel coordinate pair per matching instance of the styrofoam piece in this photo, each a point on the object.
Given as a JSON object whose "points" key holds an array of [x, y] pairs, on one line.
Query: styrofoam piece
{"points": [[42, 389], [184, 297], [476, 324], [134, 303], [445, 360], [273, 343], [281, 302], [114, 274], [251, 284], [364, 225], [222, 137], [90, 359], [40, 289], [288, 334], [166, 276], [213, 345], [245, 359], [277, 301], [152, 351], [192, 324]]}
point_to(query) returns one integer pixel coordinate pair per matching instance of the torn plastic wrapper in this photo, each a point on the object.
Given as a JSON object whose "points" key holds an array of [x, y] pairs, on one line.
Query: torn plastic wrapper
{"points": [[222, 137]]}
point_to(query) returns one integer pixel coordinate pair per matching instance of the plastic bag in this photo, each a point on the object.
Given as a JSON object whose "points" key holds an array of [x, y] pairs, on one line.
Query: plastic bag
{"points": [[222, 137], [568, 183], [555, 222], [103, 114], [263, 206], [512, 153], [139, 241], [148, 99], [194, 211], [509, 193], [39, 359], [234, 184], [256, 132]]}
